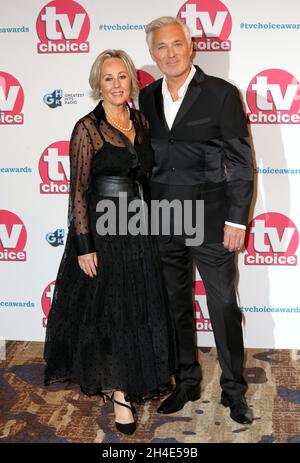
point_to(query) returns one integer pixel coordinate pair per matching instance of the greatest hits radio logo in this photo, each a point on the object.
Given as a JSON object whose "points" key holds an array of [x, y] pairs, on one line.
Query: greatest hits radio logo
{"points": [[13, 237], [63, 27], [273, 97], [273, 240], [11, 100], [46, 301], [54, 168], [210, 24]]}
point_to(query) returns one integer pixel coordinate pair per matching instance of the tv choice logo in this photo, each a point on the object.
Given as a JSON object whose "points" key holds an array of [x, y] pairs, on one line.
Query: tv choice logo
{"points": [[202, 320], [54, 168], [56, 238], [210, 24], [46, 301], [272, 239], [13, 237], [11, 100], [63, 27], [273, 97]]}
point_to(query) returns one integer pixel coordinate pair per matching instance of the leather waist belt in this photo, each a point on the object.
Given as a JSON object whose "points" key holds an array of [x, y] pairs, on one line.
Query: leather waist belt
{"points": [[112, 186]]}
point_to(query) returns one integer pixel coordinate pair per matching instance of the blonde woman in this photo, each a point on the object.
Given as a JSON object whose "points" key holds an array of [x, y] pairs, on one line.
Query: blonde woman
{"points": [[109, 328]]}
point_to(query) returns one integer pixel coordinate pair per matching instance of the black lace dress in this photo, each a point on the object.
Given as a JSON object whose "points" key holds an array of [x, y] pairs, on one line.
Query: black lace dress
{"points": [[114, 331]]}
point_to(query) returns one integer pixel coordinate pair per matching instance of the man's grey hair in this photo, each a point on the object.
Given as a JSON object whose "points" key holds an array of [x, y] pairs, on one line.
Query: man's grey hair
{"points": [[165, 21]]}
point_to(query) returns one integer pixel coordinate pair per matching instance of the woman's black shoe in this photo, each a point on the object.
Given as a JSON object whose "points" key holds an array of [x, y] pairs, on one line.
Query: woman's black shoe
{"points": [[128, 428]]}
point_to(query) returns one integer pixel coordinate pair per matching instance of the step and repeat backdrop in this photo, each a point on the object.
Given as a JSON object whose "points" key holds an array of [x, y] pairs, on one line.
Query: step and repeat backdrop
{"points": [[46, 52]]}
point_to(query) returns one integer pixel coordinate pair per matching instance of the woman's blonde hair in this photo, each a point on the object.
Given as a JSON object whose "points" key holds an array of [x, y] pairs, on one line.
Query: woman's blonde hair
{"points": [[95, 74]]}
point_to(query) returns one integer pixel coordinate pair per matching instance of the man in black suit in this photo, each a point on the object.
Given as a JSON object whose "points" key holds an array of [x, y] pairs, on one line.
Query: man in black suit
{"points": [[201, 147]]}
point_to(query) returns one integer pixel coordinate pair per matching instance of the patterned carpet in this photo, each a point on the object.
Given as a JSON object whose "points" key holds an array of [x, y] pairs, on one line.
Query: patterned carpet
{"points": [[60, 413]]}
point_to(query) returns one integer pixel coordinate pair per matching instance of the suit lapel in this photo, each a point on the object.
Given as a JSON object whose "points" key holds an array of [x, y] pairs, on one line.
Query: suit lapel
{"points": [[192, 93], [159, 105]]}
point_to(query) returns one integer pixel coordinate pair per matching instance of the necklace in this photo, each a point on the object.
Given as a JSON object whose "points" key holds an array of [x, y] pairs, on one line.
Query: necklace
{"points": [[123, 129]]}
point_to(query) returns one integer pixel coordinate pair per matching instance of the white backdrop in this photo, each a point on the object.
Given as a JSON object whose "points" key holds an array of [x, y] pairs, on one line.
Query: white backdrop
{"points": [[46, 51]]}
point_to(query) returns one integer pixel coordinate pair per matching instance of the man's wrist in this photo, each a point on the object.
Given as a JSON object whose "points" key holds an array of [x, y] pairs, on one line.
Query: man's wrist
{"points": [[236, 225]]}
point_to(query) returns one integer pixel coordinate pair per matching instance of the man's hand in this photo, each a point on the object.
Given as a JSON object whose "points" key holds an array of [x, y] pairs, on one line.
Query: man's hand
{"points": [[88, 264], [234, 238]]}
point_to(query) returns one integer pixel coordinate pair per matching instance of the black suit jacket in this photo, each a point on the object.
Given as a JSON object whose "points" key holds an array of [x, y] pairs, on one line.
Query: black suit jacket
{"points": [[206, 154]]}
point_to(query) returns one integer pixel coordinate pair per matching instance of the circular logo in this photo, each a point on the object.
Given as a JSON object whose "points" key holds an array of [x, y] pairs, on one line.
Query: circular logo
{"points": [[63, 27], [11, 99], [46, 298], [54, 168], [210, 24], [13, 237], [272, 239], [273, 97]]}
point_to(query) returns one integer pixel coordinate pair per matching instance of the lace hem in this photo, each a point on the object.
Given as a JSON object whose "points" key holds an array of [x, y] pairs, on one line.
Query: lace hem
{"points": [[105, 393]]}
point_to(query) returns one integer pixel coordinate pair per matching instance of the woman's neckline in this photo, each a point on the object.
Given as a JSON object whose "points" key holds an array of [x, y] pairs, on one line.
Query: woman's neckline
{"points": [[116, 129]]}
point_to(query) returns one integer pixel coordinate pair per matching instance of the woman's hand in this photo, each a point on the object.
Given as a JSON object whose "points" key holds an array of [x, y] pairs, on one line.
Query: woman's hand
{"points": [[88, 264]]}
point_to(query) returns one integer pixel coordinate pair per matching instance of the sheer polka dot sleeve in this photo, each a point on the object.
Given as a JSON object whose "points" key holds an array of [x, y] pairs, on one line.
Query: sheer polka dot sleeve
{"points": [[81, 153]]}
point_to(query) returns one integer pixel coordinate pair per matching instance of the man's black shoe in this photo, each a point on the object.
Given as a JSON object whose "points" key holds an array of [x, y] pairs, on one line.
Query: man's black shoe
{"points": [[239, 410], [177, 400]]}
